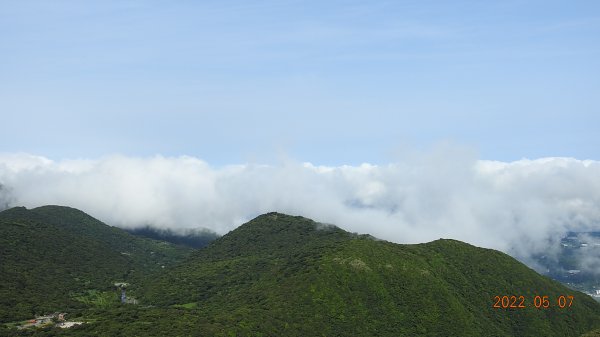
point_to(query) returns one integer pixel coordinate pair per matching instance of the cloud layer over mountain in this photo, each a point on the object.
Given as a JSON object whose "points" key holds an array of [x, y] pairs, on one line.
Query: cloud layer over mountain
{"points": [[521, 207]]}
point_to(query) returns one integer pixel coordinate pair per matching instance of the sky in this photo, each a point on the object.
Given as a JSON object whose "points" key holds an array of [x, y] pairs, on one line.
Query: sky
{"points": [[332, 83], [408, 120]]}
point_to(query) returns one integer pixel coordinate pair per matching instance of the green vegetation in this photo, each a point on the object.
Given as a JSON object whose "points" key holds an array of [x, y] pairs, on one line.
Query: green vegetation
{"points": [[193, 238], [54, 257], [594, 333], [281, 275], [103, 299]]}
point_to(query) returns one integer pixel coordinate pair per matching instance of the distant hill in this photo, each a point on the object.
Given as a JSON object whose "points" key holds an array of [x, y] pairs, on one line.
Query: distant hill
{"points": [[193, 238], [54, 258], [284, 275], [574, 262]]}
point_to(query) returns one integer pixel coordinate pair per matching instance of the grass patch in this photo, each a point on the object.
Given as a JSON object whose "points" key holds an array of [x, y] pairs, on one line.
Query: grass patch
{"points": [[102, 299], [191, 305]]}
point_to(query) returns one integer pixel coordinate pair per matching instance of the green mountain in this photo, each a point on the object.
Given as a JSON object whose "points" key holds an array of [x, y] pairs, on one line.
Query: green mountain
{"points": [[58, 258], [191, 237], [283, 275], [277, 275]]}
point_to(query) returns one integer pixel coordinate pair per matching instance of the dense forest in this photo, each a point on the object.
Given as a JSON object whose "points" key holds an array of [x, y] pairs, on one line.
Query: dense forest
{"points": [[58, 258], [277, 275], [191, 237]]}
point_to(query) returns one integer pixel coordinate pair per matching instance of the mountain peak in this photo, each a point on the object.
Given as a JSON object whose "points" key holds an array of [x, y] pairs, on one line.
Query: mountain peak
{"points": [[277, 216], [14, 211], [295, 274], [276, 233]]}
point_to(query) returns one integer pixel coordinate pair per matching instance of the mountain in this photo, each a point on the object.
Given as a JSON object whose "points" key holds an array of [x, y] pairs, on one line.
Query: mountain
{"points": [[290, 276], [193, 238], [55, 258], [277, 275]]}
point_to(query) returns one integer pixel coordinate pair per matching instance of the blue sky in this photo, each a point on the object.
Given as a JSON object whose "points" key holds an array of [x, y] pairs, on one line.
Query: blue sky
{"points": [[332, 83]]}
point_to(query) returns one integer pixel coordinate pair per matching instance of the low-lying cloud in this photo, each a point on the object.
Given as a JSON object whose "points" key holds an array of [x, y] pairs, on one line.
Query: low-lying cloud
{"points": [[521, 207]]}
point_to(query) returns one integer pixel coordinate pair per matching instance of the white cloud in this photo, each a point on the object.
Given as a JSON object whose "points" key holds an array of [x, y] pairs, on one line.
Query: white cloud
{"points": [[520, 207]]}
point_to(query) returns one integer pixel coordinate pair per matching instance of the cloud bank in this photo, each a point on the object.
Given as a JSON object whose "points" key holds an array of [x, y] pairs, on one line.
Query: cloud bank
{"points": [[521, 207]]}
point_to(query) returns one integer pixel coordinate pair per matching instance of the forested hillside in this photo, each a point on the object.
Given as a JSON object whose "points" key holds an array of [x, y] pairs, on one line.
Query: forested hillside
{"points": [[193, 238], [56, 258], [291, 276], [277, 275]]}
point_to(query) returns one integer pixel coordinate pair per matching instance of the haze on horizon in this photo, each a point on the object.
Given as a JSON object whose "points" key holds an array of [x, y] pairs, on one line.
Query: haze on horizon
{"points": [[409, 120]]}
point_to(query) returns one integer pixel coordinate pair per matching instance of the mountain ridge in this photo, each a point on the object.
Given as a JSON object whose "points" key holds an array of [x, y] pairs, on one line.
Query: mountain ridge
{"points": [[276, 275], [53, 255], [285, 263]]}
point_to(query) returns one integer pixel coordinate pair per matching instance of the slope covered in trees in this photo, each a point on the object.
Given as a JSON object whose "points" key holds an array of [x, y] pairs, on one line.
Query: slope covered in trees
{"points": [[280, 275], [287, 275], [56, 258], [193, 238]]}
